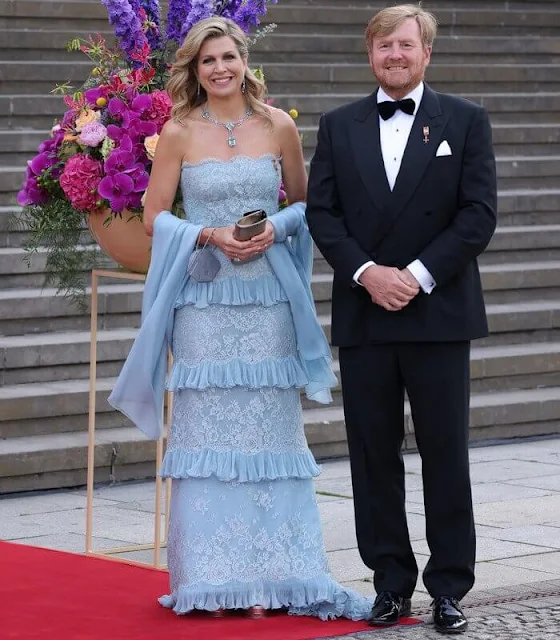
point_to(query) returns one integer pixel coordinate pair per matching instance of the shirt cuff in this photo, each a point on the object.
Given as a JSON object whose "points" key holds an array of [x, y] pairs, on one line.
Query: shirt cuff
{"points": [[422, 275], [361, 270]]}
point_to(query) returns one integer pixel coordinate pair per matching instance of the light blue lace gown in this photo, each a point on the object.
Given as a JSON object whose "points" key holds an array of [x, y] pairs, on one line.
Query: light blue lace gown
{"points": [[244, 523]]}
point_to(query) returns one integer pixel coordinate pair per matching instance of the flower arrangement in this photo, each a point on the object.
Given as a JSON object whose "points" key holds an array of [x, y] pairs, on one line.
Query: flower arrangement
{"points": [[99, 155]]}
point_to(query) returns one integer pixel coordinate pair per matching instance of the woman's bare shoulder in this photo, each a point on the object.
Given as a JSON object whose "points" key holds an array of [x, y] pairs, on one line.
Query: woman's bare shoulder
{"points": [[173, 128], [280, 118]]}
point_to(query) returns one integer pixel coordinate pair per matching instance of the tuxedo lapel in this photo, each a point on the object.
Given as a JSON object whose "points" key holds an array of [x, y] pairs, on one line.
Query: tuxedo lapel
{"points": [[429, 123], [364, 135]]}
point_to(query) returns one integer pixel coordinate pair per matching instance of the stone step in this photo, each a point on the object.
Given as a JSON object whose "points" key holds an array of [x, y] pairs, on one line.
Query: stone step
{"points": [[503, 283], [64, 356], [528, 172], [507, 283], [516, 244], [529, 206], [46, 44], [448, 49], [280, 46], [27, 112], [328, 16], [456, 21], [521, 139], [509, 245], [525, 138], [504, 108], [60, 460], [514, 173], [12, 234], [21, 111], [35, 77], [510, 323], [35, 408], [30, 310], [537, 244]]}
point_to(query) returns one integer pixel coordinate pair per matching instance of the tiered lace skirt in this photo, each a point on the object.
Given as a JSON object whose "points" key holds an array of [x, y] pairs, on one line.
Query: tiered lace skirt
{"points": [[244, 523]]}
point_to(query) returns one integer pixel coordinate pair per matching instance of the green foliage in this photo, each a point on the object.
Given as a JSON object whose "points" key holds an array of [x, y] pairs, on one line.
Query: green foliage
{"points": [[60, 229]]}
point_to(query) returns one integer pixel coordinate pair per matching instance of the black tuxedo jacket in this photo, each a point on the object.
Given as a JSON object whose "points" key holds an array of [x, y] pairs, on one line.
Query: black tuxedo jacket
{"points": [[442, 211]]}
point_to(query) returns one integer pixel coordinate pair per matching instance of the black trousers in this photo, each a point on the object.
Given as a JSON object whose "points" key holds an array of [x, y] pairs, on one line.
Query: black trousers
{"points": [[436, 379]]}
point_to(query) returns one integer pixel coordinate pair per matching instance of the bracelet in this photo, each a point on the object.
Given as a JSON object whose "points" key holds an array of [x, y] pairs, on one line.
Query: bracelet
{"points": [[208, 238]]}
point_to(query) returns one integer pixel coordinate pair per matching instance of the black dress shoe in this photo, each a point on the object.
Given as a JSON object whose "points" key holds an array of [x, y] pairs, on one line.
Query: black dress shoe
{"points": [[448, 617], [389, 608]]}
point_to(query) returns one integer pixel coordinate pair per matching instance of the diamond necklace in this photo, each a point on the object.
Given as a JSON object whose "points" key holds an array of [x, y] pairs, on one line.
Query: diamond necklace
{"points": [[230, 126]]}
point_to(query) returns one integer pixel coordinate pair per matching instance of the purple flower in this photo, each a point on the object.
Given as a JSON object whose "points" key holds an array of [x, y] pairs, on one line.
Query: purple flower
{"points": [[138, 129], [200, 9], [52, 145], [247, 15], [41, 162], [116, 188], [125, 180], [228, 8], [92, 95], [31, 193], [176, 18], [69, 119], [118, 162], [141, 103], [117, 108], [128, 28], [153, 33], [115, 132]]}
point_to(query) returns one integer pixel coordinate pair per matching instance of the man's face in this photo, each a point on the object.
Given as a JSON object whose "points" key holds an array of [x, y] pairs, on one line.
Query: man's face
{"points": [[399, 60]]}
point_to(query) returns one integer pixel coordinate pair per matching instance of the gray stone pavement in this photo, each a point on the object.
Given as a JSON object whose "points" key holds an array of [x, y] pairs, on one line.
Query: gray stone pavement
{"points": [[516, 491]]}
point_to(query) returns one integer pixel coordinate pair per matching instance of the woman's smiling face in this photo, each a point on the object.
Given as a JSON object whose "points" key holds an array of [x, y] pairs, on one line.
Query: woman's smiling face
{"points": [[220, 67]]}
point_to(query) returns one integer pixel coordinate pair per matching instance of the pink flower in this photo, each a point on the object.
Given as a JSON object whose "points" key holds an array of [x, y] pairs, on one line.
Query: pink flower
{"points": [[161, 109], [79, 181], [92, 134]]}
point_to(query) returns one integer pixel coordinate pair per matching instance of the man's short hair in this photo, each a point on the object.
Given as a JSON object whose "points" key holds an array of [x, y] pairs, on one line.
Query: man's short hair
{"points": [[387, 20]]}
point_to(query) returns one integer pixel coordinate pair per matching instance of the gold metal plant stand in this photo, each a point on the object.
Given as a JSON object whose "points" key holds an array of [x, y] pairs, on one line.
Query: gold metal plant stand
{"points": [[158, 542]]}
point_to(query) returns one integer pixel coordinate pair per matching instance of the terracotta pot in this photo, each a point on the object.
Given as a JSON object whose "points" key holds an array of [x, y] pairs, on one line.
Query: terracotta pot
{"points": [[123, 240]]}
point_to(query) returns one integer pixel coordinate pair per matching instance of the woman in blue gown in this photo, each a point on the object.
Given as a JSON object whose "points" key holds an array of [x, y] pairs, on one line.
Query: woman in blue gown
{"points": [[245, 530]]}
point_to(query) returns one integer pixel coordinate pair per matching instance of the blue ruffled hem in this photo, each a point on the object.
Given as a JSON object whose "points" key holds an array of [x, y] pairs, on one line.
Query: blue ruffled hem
{"points": [[320, 597], [273, 372], [238, 466], [265, 290]]}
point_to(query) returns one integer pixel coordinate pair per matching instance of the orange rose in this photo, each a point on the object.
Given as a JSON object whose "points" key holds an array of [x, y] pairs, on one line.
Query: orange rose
{"points": [[86, 117]]}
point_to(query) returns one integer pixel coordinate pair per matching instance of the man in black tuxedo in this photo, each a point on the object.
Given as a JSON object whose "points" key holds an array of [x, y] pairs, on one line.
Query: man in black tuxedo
{"points": [[401, 201]]}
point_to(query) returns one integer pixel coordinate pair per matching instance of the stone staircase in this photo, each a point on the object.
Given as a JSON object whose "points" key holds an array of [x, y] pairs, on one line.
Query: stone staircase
{"points": [[504, 55]]}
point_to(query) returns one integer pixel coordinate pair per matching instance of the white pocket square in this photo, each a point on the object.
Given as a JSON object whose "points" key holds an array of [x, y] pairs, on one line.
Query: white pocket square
{"points": [[444, 149]]}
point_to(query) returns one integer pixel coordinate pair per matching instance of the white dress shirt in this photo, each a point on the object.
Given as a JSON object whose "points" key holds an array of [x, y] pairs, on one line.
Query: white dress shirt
{"points": [[393, 136]]}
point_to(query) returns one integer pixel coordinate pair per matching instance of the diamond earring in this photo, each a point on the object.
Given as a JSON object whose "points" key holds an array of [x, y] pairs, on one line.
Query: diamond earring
{"points": [[243, 86], [198, 90]]}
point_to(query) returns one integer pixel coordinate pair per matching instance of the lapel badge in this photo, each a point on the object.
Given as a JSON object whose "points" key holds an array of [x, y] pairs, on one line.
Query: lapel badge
{"points": [[426, 134]]}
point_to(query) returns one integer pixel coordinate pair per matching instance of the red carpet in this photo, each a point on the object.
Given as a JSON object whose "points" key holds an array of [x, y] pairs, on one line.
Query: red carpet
{"points": [[54, 595]]}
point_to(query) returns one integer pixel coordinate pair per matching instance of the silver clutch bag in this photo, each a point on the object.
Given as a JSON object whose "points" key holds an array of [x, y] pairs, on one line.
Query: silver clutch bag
{"points": [[203, 265], [250, 224]]}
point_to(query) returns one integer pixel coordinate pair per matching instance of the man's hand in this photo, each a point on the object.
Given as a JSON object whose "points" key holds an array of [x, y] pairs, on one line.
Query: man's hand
{"points": [[388, 287], [406, 276]]}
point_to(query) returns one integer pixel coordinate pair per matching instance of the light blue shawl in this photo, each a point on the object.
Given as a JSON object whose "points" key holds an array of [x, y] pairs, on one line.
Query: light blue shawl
{"points": [[139, 390]]}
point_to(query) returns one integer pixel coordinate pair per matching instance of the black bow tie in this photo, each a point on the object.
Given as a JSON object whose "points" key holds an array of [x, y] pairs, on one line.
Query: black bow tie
{"points": [[387, 109]]}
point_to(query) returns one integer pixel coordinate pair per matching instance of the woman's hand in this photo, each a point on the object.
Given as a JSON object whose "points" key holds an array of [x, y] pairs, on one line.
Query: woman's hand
{"points": [[264, 240], [230, 247]]}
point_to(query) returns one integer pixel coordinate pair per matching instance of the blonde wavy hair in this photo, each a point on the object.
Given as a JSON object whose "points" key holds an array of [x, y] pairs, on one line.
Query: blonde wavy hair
{"points": [[183, 87]]}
